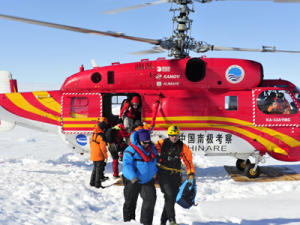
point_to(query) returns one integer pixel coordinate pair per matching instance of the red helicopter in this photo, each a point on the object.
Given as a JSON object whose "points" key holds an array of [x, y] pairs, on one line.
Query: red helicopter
{"points": [[227, 108]]}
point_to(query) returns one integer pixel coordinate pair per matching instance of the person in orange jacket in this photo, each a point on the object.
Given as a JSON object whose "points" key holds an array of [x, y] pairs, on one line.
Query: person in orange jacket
{"points": [[98, 153], [171, 151]]}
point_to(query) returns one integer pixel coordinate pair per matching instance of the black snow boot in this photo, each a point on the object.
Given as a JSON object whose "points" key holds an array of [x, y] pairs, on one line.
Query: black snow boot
{"points": [[99, 186], [104, 178]]}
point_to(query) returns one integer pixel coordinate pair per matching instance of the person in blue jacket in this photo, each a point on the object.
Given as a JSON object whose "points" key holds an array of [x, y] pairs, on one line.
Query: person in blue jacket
{"points": [[139, 169]]}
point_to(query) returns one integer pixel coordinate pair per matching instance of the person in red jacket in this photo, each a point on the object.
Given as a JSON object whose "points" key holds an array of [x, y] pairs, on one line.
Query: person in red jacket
{"points": [[117, 138], [130, 112], [98, 153]]}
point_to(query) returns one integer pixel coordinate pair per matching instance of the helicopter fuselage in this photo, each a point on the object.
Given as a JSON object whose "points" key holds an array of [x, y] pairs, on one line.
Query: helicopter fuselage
{"points": [[220, 105]]}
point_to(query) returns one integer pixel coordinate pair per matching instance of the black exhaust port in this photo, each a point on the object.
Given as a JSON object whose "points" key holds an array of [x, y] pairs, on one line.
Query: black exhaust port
{"points": [[195, 70]]}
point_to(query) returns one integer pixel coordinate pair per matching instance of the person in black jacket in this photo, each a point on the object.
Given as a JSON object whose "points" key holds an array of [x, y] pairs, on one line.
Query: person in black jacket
{"points": [[171, 151]]}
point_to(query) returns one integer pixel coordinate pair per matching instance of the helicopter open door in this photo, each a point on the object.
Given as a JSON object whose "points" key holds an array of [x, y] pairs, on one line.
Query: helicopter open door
{"points": [[274, 107], [112, 104]]}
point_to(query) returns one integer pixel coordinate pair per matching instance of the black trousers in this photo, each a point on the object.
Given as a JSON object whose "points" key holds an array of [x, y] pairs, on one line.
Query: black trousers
{"points": [[169, 184], [131, 193], [97, 173], [114, 151]]}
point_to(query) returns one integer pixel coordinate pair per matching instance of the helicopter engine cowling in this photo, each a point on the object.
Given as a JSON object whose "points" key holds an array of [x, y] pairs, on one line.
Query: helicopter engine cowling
{"points": [[7, 84], [222, 73]]}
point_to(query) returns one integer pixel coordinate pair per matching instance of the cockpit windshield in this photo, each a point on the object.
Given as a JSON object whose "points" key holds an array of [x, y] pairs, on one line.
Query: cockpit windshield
{"points": [[297, 96], [296, 93], [277, 102]]}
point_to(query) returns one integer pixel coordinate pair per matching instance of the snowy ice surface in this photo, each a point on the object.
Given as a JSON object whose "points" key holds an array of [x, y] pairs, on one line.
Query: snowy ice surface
{"points": [[43, 182]]}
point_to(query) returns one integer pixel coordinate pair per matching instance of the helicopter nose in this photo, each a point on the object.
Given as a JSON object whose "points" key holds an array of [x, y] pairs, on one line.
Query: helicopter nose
{"points": [[294, 154]]}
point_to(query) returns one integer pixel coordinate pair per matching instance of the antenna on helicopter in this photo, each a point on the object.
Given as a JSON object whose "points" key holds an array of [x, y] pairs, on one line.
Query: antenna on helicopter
{"points": [[94, 64]]}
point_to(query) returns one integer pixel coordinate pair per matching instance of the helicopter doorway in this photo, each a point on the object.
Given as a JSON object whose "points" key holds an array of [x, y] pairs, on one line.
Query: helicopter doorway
{"points": [[112, 104]]}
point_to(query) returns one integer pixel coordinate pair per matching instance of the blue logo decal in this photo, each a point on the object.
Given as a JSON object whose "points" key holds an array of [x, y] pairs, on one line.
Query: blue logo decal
{"points": [[235, 74], [81, 139]]}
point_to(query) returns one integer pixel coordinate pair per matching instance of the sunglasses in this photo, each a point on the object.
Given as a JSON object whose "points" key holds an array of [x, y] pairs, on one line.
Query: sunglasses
{"points": [[146, 142]]}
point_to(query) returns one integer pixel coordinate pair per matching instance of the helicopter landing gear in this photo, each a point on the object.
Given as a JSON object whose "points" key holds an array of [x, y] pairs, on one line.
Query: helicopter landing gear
{"points": [[242, 164], [253, 170]]}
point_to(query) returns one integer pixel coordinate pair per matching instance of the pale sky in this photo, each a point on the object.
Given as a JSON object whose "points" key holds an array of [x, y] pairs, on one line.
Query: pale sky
{"points": [[35, 54]]}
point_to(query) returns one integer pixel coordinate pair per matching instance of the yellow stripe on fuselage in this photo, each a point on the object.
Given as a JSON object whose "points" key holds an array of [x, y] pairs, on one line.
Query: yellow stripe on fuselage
{"points": [[21, 102], [45, 99], [280, 136], [81, 119], [199, 118], [78, 125]]}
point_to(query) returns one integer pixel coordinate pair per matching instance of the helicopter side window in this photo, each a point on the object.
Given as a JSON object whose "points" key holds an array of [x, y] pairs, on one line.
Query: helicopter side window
{"points": [[276, 102], [79, 107], [116, 103], [110, 77], [231, 103]]}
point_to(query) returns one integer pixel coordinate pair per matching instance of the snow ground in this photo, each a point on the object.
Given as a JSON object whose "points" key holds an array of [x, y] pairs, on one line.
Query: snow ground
{"points": [[43, 182]]}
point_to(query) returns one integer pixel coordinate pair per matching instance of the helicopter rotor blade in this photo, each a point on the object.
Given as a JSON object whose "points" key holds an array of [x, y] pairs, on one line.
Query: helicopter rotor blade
{"points": [[275, 1], [114, 11], [81, 30], [155, 50], [287, 1], [263, 49]]}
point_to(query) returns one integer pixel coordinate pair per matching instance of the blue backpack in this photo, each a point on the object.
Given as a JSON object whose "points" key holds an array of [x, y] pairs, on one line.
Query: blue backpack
{"points": [[187, 194]]}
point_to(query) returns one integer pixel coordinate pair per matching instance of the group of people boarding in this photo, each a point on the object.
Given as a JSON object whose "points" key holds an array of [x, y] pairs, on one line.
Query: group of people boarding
{"points": [[143, 163]]}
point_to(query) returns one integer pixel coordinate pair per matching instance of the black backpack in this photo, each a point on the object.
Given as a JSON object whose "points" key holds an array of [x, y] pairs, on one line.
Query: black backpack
{"points": [[110, 134], [187, 194]]}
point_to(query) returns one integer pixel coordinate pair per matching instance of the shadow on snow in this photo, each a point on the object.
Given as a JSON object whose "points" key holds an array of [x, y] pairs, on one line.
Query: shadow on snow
{"points": [[274, 221]]}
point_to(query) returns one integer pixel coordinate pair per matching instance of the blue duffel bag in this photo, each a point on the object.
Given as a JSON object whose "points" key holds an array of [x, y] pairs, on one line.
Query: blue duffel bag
{"points": [[187, 194]]}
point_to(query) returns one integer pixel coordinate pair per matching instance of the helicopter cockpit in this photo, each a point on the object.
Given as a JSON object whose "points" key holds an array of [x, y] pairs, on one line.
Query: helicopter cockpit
{"points": [[276, 102]]}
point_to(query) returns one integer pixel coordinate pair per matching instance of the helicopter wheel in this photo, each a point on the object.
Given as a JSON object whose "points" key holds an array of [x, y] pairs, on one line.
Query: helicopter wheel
{"points": [[250, 173], [242, 164]]}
